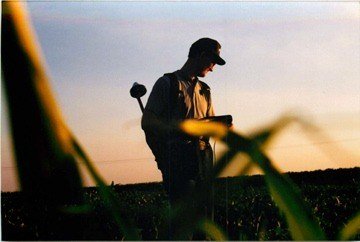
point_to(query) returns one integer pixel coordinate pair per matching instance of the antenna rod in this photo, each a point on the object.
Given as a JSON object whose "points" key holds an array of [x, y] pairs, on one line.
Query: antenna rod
{"points": [[141, 105]]}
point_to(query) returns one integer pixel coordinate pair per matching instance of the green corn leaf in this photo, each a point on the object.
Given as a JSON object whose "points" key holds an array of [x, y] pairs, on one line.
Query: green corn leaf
{"points": [[223, 162], [286, 195], [45, 148], [212, 230], [351, 229], [264, 136], [299, 217], [245, 169], [43, 152]]}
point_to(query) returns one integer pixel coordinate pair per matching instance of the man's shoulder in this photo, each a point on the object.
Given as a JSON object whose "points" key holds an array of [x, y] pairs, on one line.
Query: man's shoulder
{"points": [[171, 76], [165, 78], [163, 81]]}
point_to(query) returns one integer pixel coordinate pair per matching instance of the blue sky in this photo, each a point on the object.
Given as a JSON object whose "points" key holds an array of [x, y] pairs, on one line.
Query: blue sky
{"points": [[280, 56]]}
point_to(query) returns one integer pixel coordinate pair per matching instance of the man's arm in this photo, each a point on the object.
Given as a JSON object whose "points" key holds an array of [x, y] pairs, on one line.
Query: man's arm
{"points": [[150, 123], [153, 121]]}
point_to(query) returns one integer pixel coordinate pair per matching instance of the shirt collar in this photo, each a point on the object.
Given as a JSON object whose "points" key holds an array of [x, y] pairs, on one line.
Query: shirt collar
{"points": [[187, 78]]}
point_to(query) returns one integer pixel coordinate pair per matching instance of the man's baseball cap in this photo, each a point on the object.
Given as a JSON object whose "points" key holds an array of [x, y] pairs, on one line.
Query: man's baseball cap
{"points": [[209, 46]]}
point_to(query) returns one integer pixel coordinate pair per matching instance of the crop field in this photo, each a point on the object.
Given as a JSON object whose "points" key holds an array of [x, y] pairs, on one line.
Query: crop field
{"points": [[243, 209], [53, 205]]}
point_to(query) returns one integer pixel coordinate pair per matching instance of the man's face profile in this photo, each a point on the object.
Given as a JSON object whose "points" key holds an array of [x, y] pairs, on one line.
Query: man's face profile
{"points": [[205, 64]]}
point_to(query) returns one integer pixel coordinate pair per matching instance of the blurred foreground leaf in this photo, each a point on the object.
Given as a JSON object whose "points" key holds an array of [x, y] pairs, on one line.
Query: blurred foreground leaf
{"points": [[43, 149], [212, 230], [263, 136], [351, 229], [284, 192], [286, 195], [198, 128]]}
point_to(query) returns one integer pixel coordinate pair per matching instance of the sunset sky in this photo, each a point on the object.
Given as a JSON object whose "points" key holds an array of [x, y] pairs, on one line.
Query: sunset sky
{"points": [[302, 57]]}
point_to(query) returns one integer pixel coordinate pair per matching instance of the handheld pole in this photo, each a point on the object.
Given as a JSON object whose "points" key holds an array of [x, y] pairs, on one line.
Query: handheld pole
{"points": [[141, 104]]}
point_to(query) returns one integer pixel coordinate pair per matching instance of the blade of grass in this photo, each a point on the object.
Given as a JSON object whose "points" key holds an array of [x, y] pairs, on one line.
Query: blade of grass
{"points": [[224, 161], [285, 193], [216, 130], [299, 218], [246, 168], [212, 230], [45, 148], [265, 135], [43, 151], [351, 229]]}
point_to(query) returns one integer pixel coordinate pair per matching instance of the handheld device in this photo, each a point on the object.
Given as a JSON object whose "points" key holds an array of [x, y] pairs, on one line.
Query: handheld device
{"points": [[225, 119]]}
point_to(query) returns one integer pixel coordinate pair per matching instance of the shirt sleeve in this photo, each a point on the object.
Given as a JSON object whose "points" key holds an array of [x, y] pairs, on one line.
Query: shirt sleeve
{"points": [[158, 98]]}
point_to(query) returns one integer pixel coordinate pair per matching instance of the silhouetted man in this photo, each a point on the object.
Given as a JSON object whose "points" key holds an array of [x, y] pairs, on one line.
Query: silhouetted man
{"points": [[185, 162]]}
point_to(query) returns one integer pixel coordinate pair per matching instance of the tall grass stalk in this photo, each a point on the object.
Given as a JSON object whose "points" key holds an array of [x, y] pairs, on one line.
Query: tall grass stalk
{"points": [[42, 143], [45, 149], [351, 229]]}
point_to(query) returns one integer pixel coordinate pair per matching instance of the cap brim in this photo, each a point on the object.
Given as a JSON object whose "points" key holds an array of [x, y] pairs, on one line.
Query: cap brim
{"points": [[218, 60]]}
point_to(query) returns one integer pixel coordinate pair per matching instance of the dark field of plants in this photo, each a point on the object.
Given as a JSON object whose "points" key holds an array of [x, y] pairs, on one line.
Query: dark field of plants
{"points": [[243, 209]]}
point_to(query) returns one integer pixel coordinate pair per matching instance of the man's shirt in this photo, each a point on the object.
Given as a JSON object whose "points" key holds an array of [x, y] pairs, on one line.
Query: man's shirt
{"points": [[191, 99]]}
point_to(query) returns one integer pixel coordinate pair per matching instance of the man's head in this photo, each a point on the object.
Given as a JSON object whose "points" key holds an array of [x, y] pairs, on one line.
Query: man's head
{"points": [[206, 53]]}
